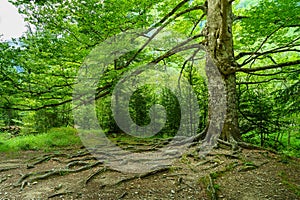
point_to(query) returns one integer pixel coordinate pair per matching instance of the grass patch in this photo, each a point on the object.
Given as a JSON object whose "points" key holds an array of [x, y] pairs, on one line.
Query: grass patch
{"points": [[56, 137], [291, 148]]}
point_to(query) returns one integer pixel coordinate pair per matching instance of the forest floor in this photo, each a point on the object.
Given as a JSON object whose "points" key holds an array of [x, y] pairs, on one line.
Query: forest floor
{"points": [[75, 174]]}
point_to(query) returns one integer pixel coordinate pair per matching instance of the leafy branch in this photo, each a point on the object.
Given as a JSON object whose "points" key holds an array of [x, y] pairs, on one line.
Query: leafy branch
{"points": [[280, 65]]}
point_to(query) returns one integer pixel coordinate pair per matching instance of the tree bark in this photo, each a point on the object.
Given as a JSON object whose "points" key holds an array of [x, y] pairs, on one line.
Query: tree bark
{"points": [[220, 50], [231, 126]]}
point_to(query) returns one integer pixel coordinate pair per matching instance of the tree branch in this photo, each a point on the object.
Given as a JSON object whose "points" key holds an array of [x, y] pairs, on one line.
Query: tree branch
{"points": [[258, 82], [38, 108], [198, 7], [261, 45], [196, 24], [235, 18], [242, 54], [185, 63], [276, 73], [280, 65], [178, 48], [169, 14]]}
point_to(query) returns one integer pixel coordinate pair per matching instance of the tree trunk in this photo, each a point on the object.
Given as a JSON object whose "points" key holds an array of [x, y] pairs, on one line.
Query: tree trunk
{"points": [[231, 126], [220, 50]]}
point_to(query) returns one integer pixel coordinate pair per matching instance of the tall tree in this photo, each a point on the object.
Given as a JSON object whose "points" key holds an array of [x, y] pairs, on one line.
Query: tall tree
{"points": [[275, 33], [239, 37], [220, 48]]}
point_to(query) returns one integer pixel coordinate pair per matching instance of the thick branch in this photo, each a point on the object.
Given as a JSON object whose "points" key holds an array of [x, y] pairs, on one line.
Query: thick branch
{"points": [[170, 13], [280, 65], [196, 24], [276, 73], [239, 17], [198, 7], [176, 50], [242, 54], [258, 82], [38, 108]]}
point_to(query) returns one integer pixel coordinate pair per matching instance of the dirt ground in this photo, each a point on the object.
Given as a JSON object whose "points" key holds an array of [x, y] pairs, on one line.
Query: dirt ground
{"points": [[75, 174]]}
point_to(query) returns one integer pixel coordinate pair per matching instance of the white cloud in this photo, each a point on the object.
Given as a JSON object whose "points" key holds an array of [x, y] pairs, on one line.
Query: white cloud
{"points": [[12, 24]]}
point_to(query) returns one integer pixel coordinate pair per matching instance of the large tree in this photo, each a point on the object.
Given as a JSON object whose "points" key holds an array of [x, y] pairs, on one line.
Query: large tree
{"points": [[239, 37]]}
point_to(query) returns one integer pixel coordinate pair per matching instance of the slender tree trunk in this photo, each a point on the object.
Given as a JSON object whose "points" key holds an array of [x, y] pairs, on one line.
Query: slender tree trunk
{"points": [[220, 50]]}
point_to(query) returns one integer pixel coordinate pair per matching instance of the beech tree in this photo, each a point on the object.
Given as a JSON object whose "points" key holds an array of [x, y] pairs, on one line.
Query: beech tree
{"points": [[256, 38]]}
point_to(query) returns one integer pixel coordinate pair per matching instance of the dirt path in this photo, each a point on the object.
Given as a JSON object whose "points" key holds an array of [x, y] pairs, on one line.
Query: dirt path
{"points": [[75, 174]]}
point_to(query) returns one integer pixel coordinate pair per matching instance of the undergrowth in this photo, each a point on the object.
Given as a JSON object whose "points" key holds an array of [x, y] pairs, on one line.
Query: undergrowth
{"points": [[54, 138], [287, 146]]}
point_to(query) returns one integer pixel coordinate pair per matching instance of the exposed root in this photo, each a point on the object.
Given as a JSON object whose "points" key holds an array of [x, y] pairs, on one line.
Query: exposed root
{"points": [[3, 179], [57, 160], [233, 145], [231, 156], [8, 168], [248, 168], [192, 141], [189, 185], [211, 188], [24, 183], [100, 171], [38, 160], [80, 154], [141, 176], [175, 175], [209, 183], [59, 194], [212, 166], [202, 163], [244, 145], [122, 195], [125, 180], [42, 159], [154, 172], [35, 161], [31, 177], [84, 159], [76, 163]]}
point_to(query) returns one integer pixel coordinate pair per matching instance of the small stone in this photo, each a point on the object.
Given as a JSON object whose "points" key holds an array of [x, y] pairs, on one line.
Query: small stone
{"points": [[172, 191], [58, 187], [34, 183]]}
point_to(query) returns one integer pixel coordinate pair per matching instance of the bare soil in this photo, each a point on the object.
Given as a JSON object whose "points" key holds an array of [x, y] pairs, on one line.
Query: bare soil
{"points": [[75, 174]]}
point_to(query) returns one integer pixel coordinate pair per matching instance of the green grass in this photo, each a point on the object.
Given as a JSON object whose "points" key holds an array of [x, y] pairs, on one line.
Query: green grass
{"points": [[54, 138], [292, 150]]}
